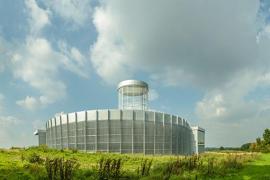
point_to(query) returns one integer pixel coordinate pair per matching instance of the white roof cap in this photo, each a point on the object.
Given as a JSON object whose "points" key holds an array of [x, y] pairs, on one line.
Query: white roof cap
{"points": [[132, 82]]}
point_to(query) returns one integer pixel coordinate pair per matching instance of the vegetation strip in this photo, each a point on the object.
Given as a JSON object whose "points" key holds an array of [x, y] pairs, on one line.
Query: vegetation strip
{"points": [[45, 163]]}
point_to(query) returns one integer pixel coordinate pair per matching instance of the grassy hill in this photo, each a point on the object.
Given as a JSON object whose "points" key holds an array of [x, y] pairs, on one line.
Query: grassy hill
{"points": [[44, 163]]}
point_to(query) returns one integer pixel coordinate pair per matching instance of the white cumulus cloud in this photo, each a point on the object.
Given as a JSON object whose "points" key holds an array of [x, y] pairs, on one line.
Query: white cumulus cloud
{"points": [[29, 102], [180, 42], [75, 11], [229, 112], [39, 17], [37, 62], [210, 45]]}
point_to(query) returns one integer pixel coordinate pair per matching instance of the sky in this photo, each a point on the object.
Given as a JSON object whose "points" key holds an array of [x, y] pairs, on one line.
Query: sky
{"points": [[207, 61]]}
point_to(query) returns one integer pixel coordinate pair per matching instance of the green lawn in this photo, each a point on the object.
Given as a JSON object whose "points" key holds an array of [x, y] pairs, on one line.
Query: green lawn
{"points": [[259, 169], [16, 164]]}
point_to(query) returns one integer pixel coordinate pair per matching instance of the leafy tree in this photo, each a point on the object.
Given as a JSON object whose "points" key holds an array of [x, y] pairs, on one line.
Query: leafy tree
{"points": [[258, 141], [266, 136], [221, 148], [245, 147], [253, 147]]}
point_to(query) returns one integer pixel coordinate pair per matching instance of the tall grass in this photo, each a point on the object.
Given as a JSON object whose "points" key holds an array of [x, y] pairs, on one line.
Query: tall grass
{"points": [[109, 168], [59, 168], [205, 165], [145, 167], [55, 164]]}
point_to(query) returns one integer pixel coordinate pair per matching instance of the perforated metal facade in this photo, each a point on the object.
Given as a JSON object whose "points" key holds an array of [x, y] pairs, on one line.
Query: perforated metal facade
{"points": [[121, 131], [133, 94]]}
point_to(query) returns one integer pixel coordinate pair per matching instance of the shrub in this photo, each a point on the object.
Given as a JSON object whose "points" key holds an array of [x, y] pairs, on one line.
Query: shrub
{"points": [[34, 158]]}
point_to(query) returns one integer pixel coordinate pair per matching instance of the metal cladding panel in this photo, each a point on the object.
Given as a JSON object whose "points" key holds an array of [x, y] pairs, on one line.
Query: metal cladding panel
{"points": [[159, 117], [103, 115], [64, 118], [150, 133], [57, 120], [92, 115], [52, 122], [174, 119], [149, 116], [41, 138], [127, 114], [180, 123], [81, 116], [139, 115], [183, 122], [115, 114], [167, 118], [71, 117]]}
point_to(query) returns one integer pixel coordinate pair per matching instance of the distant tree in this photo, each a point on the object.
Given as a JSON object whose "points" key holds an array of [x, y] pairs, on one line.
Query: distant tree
{"points": [[258, 141], [221, 148], [266, 136], [253, 147], [245, 147]]}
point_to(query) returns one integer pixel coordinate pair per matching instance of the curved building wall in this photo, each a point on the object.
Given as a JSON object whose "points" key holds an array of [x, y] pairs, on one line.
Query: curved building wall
{"points": [[121, 131]]}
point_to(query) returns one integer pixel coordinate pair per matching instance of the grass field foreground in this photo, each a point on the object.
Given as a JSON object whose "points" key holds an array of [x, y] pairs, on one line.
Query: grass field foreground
{"points": [[44, 163]]}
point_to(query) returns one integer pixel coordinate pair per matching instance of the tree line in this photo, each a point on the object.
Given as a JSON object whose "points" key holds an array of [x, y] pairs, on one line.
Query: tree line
{"points": [[262, 144]]}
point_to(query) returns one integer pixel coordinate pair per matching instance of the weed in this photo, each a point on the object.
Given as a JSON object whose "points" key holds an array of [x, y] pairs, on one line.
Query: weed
{"points": [[37, 170], [210, 167], [144, 169], [74, 151], [58, 168], [35, 158], [22, 157], [180, 165], [109, 168], [233, 162]]}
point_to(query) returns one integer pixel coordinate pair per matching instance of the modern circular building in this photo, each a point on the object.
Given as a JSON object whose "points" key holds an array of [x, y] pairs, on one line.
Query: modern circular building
{"points": [[131, 128]]}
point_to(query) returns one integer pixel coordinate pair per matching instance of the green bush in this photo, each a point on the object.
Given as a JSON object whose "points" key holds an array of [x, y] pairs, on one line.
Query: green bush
{"points": [[35, 158]]}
